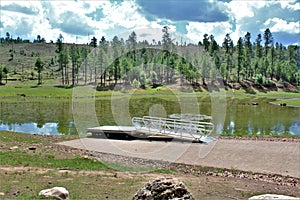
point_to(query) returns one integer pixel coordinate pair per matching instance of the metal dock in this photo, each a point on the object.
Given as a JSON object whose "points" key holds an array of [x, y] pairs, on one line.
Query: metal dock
{"points": [[149, 127]]}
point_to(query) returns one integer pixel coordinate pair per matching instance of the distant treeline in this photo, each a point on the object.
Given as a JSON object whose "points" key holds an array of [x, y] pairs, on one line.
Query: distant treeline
{"points": [[129, 62]]}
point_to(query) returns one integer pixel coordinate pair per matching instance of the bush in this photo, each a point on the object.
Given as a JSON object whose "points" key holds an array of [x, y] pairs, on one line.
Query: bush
{"points": [[135, 83]]}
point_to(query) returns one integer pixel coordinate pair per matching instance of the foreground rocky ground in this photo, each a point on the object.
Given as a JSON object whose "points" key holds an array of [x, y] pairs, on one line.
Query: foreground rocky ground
{"points": [[19, 181]]}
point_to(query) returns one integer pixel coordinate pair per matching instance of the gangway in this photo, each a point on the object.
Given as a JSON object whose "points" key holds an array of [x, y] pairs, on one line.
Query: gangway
{"points": [[174, 127]]}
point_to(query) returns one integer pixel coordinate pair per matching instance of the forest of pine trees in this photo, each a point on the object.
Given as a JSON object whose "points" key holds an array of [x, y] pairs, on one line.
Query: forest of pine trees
{"points": [[140, 63]]}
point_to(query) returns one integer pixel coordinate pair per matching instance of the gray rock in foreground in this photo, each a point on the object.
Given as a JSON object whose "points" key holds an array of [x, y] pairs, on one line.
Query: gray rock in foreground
{"points": [[59, 193], [163, 188], [272, 196]]}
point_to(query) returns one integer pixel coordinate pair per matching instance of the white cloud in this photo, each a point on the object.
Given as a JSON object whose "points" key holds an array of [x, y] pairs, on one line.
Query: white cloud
{"points": [[125, 14], [280, 25], [50, 18], [240, 9], [196, 30], [291, 4]]}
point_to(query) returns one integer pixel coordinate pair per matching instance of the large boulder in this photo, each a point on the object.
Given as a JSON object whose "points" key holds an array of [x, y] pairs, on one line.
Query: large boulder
{"points": [[59, 193], [163, 188], [272, 196]]}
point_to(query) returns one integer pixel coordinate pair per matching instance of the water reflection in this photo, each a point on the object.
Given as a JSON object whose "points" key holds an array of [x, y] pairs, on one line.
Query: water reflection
{"points": [[49, 117], [47, 128], [242, 118], [295, 128]]}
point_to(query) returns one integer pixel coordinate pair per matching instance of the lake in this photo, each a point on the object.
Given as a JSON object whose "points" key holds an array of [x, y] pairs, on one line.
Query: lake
{"points": [[231, 116]]}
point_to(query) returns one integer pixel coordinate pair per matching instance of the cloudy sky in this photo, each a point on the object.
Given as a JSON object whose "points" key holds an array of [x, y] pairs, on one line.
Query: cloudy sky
{"points": [[78, 20]]}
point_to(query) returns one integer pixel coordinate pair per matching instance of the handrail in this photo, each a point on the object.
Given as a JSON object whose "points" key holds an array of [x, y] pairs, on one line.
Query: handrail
{"points": [[176, 127]]}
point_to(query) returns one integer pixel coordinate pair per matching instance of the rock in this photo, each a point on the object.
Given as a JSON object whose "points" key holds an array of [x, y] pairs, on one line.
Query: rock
{"points": [[163, 188], [59, 193], [272, 196], [13, 148]]}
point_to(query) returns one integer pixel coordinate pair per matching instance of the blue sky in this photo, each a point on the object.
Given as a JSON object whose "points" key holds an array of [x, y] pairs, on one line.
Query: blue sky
{"points": [[188, 20]]}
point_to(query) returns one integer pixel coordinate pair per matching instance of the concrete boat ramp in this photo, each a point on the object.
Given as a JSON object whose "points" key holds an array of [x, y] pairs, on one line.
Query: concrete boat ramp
{"points": [[274, 157]]}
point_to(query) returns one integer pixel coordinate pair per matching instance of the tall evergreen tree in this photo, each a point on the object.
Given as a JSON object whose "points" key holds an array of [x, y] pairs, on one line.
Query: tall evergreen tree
{"points": [[228, 44], [166, 39], [268, 40], [59, 50], [213, 45], [258, 47], [103, 50], [5, 71], [239, 57], [248, 55], [116, 50], [39, 65], [94, 42], [205, 42], [75, 56]]}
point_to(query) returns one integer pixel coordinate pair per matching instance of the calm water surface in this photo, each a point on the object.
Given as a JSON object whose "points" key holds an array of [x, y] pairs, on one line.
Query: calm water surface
{"points": [[240, 116]]}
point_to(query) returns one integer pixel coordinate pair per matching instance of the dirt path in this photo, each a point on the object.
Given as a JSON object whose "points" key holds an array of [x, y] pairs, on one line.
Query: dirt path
{"points": [[271, 157]]}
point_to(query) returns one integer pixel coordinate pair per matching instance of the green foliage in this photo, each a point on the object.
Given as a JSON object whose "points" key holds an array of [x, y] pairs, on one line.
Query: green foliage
{"points": [[39, 65], [143, 79], [25, 159], [135, 83], [157, 63], [260, 79]]}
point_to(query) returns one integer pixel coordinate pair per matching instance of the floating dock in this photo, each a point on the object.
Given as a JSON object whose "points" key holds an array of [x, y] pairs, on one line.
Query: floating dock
{"points": [[149, 127]]}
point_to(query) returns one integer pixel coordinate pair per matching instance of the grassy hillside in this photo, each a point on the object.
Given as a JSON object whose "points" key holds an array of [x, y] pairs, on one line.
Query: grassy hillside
{"points": [[21, 65], [20, 60]]}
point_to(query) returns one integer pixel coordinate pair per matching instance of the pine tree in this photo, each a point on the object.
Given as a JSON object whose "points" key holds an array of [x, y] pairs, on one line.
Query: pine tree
{"points": [[268, 40], [239, 58], [248, 55], [228, 44], [213, 45], [205, 42], [166, 39], [39, 65], [258, 46], [75, 56]]}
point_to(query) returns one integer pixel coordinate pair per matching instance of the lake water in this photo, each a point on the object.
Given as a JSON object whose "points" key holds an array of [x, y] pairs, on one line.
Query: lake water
{"points": [[239, 116]]}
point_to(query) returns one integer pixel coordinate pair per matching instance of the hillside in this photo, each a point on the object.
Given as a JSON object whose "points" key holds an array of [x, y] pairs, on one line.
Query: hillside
{"points": [[24, 58], [144, 65]]}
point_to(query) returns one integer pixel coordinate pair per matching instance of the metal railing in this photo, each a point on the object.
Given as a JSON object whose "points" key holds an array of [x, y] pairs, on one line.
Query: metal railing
{"points": [[173, 127]]}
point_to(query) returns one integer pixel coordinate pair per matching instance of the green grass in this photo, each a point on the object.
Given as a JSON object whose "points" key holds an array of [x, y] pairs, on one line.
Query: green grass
{"points": [[35, 91], [48, 158], [10, 137], [271, 94], [289, 102], [30, 89], [19, 158]]}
